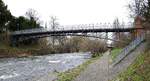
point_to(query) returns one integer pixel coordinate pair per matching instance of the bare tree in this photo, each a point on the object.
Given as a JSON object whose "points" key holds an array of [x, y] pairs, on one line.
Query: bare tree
{"points": [[138, 7], [33, 15], [120, 36], [116, 24], [53, 23], [54, 26]]}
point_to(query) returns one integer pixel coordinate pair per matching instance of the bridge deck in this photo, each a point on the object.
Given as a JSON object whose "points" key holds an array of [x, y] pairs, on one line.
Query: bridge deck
{"points": [[44, 31]]}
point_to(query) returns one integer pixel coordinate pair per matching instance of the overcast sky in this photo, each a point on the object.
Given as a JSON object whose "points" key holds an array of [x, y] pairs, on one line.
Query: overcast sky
{"points": [[73, 11]]}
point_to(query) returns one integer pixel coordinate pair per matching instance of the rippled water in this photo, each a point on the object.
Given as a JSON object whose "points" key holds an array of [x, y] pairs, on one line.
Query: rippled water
{"points": [[24, 69]]}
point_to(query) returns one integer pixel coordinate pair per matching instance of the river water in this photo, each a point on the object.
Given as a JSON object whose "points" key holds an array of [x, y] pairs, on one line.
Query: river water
{"points": [[25, 69]]}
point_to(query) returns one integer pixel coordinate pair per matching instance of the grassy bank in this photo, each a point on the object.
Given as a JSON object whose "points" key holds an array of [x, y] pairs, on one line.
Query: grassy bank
{"points": [[115, 52], [71, 74], [138, 71]]}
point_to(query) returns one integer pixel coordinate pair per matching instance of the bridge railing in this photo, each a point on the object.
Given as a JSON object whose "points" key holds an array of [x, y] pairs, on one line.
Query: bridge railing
{"points": [[94, 26], [29, 31], [128, 49], [72, 27]]}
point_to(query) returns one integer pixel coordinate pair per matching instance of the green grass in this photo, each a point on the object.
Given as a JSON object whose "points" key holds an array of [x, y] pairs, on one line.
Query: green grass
{"points": [[115, 52], [138, 71], [71, 74]]}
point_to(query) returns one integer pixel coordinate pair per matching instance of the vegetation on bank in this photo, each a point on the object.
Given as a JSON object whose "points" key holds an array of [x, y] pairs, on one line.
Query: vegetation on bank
{"points": [[138, 71], [73, 73], [24, 51], [115, 52], [74, 44]]}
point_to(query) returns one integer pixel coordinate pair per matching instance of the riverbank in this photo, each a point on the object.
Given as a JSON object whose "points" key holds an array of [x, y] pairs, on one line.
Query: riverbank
{"points": [[7, 51], [17, 52], [73, 73], [45, 46], [137, 71], [96, 71]]}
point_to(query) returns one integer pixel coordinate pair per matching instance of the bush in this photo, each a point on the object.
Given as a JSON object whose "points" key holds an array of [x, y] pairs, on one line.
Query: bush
{"points": [[96, 55]]}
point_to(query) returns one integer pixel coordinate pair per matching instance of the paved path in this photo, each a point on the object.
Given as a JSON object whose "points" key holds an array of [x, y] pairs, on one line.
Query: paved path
{"points": [[99, 70]]}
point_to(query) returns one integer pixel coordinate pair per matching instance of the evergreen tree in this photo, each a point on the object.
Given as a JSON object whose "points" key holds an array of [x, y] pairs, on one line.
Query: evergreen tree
{"points": [[21, 23], [5, 16]]}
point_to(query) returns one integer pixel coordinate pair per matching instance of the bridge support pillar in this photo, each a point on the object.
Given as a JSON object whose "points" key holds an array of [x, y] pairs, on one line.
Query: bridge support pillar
{"points": [[138, 24], [106, 38], [13, 41]]}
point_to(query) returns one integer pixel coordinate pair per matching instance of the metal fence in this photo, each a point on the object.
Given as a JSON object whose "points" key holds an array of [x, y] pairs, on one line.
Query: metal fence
{"points": [[129, 49]]}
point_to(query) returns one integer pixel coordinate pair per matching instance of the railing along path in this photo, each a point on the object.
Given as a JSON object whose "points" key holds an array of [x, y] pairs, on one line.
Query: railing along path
{"points": [[128, 49]]}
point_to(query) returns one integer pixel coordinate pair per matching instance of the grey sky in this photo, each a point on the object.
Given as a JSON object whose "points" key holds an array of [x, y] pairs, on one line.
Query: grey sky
{"points": [[73, 11]]}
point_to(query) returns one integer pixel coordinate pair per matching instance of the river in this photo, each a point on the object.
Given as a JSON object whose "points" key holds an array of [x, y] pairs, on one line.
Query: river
{"points": [[25, 69]]}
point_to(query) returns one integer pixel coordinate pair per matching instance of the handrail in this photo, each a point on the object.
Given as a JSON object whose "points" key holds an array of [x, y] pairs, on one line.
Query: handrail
{"points": [[129, 48], [73, 27], [39, 30]]}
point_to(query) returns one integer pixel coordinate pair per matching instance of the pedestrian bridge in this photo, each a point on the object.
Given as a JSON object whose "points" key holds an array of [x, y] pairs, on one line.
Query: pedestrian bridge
{"points": [[92, 28], [72, 30]]}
